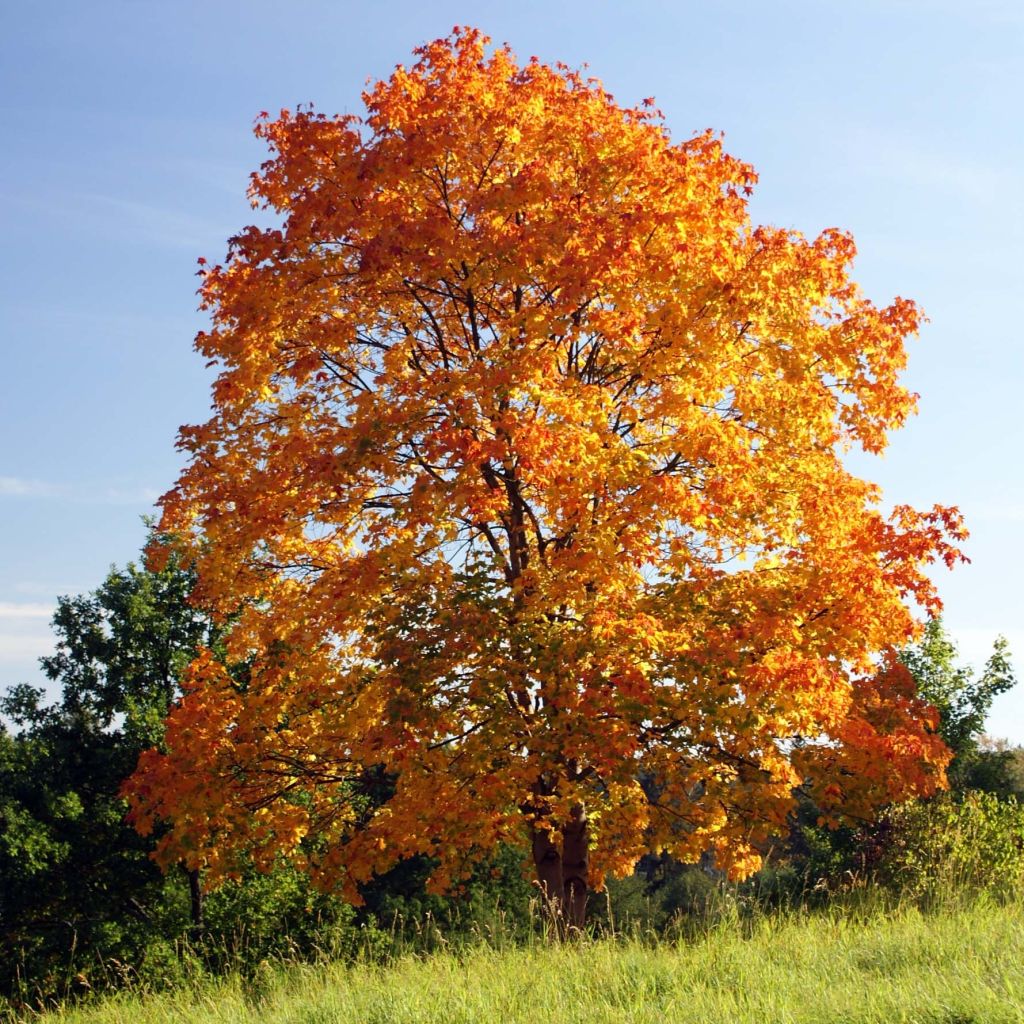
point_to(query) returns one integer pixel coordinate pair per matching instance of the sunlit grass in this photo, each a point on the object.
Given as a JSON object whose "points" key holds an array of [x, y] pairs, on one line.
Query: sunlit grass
{"points": [[950, 967]]}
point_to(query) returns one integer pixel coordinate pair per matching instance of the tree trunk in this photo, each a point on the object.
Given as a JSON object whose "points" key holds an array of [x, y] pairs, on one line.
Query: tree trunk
{"points": [[562, 873], [195, 892], [547, 860], [575, 869]]}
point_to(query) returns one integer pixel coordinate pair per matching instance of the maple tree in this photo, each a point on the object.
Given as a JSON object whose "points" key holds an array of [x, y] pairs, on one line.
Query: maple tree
{"points": [[524, 482]]}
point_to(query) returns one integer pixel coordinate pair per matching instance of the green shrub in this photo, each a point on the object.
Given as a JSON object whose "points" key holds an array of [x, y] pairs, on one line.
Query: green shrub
{"points": [[966, 843]]}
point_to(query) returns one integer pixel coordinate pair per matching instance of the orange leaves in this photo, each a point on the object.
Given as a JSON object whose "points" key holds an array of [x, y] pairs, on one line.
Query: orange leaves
{"points": [[523, 465], [885, 750]]}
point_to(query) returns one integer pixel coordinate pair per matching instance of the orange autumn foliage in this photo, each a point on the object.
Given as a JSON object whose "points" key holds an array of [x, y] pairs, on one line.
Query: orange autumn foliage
{"points": [[525, 464]]}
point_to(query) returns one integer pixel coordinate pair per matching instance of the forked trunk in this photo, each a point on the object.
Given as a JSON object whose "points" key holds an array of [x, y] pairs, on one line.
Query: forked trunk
{"points": [[562, 873]]}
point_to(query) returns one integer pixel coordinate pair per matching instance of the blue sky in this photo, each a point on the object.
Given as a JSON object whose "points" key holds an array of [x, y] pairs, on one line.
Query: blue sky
{"points": [[127, 147]]}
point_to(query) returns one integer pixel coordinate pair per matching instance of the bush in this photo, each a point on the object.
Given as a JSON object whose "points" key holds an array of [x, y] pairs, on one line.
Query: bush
{"points": [[967, 843]]}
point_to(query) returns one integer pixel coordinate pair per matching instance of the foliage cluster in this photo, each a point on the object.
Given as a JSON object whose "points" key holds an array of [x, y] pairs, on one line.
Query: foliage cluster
{"points": [[82, 904]]}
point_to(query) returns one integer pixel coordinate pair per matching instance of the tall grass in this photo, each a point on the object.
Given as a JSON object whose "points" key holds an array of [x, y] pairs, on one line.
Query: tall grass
{"points": [[868, 963]]}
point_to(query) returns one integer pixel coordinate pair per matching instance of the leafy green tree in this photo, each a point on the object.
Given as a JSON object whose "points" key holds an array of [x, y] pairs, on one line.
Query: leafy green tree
{"points": [[998, 767], [962, 700], [73, 876]]}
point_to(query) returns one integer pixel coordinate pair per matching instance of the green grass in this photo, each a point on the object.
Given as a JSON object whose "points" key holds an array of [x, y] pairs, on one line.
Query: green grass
{"points": [[950, 967]]}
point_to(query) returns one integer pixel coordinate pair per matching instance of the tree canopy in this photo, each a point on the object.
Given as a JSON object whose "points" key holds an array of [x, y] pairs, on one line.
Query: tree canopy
{"points": [[524, 482]]}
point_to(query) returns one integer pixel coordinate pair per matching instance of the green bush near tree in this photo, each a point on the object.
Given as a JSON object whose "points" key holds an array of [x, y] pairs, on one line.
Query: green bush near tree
{"points": [[957, 843]]}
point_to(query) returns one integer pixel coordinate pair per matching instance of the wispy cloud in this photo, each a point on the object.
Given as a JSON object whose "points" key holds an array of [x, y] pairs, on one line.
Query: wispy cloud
{"points": [[113, 323], [126, 496], [229, 177], [37, 589], [123, 218], [25, 610], [25, 636], [99, 494], [21, 487]]}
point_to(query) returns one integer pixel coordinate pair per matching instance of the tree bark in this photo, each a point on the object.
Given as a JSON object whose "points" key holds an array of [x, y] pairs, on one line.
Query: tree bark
{"points": [[575, 869], [195, 892], [562, 873], [547, 860]]}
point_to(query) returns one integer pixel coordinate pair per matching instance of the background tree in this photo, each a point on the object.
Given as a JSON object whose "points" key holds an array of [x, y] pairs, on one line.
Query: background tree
{"points": [[963, 703], [73, 875], [997, 767], [524, 466]]}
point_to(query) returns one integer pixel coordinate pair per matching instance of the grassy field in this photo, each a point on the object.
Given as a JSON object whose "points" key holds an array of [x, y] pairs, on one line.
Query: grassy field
{"points": [[953, 967]]}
